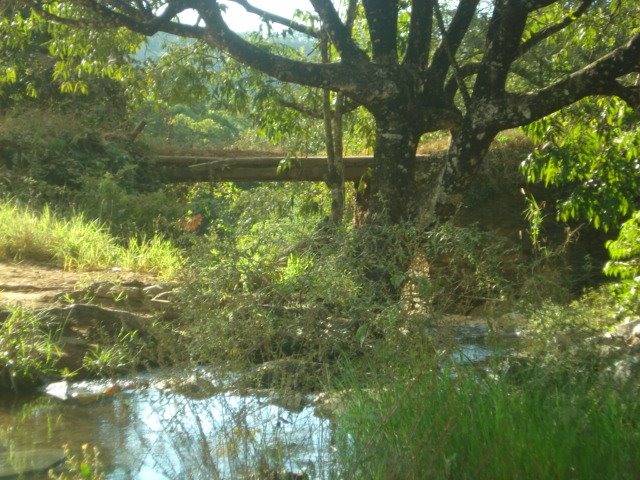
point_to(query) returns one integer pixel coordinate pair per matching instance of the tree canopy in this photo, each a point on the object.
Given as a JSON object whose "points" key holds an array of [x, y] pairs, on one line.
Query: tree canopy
{"points": [[472, 69]]}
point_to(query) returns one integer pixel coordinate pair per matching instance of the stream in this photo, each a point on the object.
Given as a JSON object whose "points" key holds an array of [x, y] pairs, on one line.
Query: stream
{"points": [[147, 429], [144, 431]]}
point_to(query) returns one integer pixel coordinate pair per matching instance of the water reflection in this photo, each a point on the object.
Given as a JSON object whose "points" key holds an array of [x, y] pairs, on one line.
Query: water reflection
{"points": [[149, 433]]}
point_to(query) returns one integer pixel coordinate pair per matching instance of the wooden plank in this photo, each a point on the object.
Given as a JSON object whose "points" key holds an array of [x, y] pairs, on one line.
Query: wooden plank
{"points": [[187, 169]]}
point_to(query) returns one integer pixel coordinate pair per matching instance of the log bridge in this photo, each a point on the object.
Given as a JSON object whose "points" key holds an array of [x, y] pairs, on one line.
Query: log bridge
{"points": [[188, 169]]}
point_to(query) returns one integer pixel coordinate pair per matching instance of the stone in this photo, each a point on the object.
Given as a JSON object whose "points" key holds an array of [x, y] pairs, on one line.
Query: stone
{"points": [[627, 330], [23, 463], [169, 295], [626, 370], [121, 292], [103, 290], [153, 290], [327, 405]]}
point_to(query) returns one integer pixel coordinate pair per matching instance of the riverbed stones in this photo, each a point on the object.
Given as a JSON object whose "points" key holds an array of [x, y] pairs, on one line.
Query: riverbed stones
{"points": [[165, 296], [629, 330], [24, 463], [153, 290], [130, 291]]}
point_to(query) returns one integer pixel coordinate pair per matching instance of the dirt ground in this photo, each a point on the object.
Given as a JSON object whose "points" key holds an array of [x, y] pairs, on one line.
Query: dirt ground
{"points": [[37, 286]]}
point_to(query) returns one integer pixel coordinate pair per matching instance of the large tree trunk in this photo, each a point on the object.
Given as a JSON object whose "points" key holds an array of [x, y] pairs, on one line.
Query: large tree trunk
{"points": [[467, 149], [393, 185]]}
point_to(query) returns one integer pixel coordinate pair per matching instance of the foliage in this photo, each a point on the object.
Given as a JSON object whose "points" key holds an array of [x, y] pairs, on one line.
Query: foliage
{"points": [[77, 243], [625, 263], [625, 250], [426, 422], [467, 269], [44, 60], [191, 125], [27, 349], [593, 150], [59, 149]]}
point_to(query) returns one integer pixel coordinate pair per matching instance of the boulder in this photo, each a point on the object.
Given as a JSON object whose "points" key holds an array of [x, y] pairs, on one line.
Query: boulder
{"points": [[24, 463]]}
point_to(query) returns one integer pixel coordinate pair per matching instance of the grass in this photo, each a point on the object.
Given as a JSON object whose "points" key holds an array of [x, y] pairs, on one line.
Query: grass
{"points": [[28, 350], [78, 243], [455, 424]]}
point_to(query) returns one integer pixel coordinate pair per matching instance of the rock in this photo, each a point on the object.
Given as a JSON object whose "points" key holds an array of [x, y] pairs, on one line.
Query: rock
{"points": [[91, 315], [627, 330], [24, 463], [153, 290], [168, 295], [292, 401], [102, 290], [160, 303], [627, 370], [121, 292], [327, 405]]}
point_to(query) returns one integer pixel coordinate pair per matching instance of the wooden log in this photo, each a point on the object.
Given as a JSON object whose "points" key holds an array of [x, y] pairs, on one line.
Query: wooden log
{"points": [[187, 169]]}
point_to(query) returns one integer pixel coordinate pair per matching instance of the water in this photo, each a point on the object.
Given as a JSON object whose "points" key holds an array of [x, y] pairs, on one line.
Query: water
{"points": [[150, 433], [145, 430]]}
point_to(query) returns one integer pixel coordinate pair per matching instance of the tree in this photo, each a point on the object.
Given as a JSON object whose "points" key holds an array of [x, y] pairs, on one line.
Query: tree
{"points": [[414, 72]]}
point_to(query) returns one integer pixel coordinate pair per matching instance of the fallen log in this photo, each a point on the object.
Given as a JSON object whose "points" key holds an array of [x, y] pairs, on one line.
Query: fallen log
{"points": [[179, 169]]}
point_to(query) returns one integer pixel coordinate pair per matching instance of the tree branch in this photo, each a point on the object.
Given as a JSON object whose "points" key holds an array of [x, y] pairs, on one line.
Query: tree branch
{"points": [[545, 33], [353, 79], [417, 52], [382, 18], [338, 32], [503, 39], [628, 93], [452, 61], [271, 17], [300, 108], [451, 40], [465, 71], [598, 78]]}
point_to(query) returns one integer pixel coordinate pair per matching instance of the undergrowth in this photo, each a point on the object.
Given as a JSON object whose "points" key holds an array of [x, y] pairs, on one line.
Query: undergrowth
{"points": [[426, 422]]}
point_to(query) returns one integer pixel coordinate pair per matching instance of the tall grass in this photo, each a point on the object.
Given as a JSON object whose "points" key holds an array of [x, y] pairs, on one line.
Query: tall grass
{"points": [[77, 243], [28, 349], [434, 424]]}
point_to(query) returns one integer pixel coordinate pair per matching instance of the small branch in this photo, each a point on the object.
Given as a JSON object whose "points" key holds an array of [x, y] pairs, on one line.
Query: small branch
{"points": [[271, 17], [137, 131], [452, 39], [452, 61], [545, 33], [338, 32], [298, 107]]}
